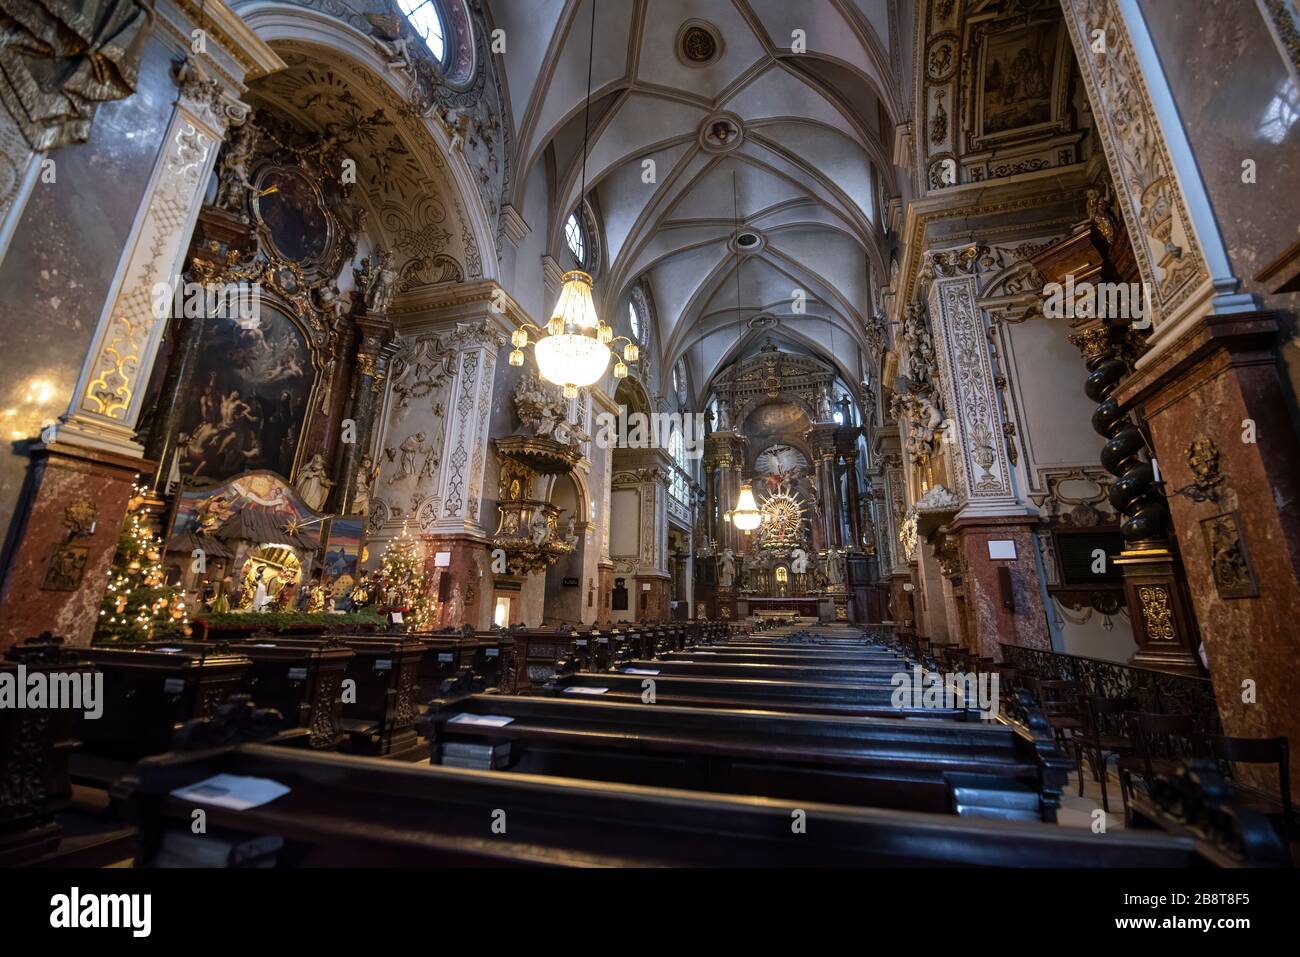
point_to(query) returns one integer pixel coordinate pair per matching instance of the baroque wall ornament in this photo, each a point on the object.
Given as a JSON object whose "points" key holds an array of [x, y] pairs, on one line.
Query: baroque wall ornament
{"points": [[1157, 613], [1234, 577], [1168, 254]]}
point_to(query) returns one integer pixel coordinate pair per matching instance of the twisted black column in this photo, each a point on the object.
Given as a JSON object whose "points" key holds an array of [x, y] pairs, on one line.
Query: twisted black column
{"points": [[1134, 493]]}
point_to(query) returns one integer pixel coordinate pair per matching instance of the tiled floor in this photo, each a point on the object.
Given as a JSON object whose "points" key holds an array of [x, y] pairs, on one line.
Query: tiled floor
{"points": [[1078, 811]]}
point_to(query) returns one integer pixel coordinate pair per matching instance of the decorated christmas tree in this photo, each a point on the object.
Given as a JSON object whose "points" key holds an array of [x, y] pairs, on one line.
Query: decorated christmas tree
{"points": [[403, 583], [139, 605]]}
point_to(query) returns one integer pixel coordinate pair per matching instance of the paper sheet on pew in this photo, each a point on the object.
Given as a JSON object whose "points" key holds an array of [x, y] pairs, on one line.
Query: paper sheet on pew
{"points": [[237, 792], [578, 689], [488, 720], [640, 671]]}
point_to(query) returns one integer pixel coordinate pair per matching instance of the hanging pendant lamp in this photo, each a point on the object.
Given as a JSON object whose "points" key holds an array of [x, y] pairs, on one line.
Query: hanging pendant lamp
{"points": [[746, 516], [574, 349]]}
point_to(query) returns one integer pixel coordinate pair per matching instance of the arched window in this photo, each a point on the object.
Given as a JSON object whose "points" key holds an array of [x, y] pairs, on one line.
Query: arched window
{"points": [[575, 239], [425, 18], [680, 488], [634, 321], [679, 384]]}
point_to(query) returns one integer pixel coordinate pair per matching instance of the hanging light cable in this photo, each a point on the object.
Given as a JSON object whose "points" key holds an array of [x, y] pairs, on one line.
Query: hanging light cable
{"points": [[574, 349], [746, 516]]}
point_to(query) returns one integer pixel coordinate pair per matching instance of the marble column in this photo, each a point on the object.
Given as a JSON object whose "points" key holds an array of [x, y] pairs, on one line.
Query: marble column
{"points": [[110, 391], [1162, 197], [709, 503], [92, 449], [1003, 595], [821, 440], [1217, 410], [855, 501], [65, 476]]}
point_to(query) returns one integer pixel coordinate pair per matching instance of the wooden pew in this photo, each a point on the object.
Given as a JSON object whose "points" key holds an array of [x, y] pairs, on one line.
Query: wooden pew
{"points": [[792, 657], [382, 719], [488, 654], [35, 745], [909, 765], [378, 717], [798, 670], [353, 811], [148, 694], [863, 700], [302, 680]]}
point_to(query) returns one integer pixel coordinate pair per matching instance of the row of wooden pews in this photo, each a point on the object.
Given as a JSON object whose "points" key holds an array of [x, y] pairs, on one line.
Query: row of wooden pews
{"points": [[586, 780], [676, 743]]}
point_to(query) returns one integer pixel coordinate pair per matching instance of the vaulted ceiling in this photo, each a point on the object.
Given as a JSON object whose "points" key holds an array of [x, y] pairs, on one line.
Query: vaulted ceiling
{"points": [[804, 131]]}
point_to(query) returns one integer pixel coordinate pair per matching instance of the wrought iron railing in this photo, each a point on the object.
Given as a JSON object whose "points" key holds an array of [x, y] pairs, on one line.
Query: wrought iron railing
{"points": [[1158, 692]]}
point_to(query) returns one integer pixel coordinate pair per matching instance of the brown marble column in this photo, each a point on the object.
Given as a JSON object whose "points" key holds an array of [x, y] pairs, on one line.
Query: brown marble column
{"points": [[38, 596], [1218, 412], [821, 439], [710, 533]]}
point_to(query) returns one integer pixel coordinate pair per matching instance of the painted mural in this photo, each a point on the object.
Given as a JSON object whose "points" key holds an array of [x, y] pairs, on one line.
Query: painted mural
{"points": [[1019, 67], [343, 544]]}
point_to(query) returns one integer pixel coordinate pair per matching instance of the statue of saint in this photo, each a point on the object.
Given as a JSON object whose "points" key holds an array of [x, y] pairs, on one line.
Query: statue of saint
{"points": [[727, 569], [314, 483]]}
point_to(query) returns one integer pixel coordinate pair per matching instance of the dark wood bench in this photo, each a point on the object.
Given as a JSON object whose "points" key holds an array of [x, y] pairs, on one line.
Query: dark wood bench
{"points": [[302, 680], [148, 694], [380, 693], [722, 654], [707, 667], [863, 700], [35, 746], [352, 811], [860, 761]]}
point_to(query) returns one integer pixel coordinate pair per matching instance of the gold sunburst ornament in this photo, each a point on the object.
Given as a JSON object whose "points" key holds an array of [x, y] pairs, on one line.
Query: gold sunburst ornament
{"points": [[782, 519]]}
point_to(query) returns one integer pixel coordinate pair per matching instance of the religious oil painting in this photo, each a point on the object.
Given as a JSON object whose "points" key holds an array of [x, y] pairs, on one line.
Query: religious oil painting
{"points": [[248, 398], [293, 215], [1019, 67]]}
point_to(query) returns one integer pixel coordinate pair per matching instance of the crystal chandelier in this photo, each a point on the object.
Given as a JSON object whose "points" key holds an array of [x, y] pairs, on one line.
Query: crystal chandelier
{"points": [[574, 349], [746, 516]]}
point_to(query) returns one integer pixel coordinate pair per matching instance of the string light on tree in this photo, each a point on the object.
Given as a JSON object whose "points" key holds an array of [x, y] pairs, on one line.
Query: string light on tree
{"points": [[403, 581], [138, 603]]}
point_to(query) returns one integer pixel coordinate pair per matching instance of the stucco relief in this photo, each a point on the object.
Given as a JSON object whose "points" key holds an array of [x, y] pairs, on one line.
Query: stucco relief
{"points": [[423, 370]]}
